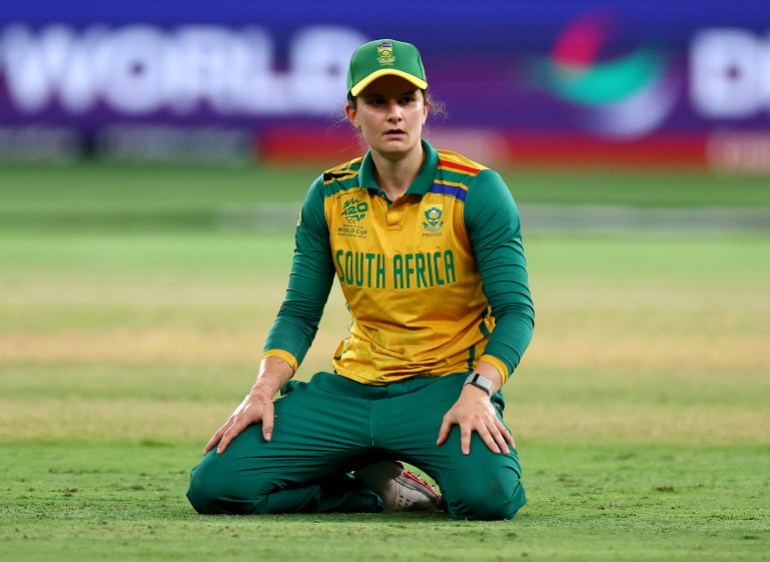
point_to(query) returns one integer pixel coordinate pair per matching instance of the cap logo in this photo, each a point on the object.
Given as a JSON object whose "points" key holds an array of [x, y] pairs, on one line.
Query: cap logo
{"points": [[385, 53]]}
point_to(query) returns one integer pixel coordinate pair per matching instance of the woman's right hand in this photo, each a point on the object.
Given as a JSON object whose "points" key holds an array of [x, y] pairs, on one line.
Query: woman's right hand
{"points": [[256, 407]]}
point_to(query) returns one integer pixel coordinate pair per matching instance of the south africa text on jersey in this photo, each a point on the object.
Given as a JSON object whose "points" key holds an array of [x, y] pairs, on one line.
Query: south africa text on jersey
{"points": [[400, 271]]}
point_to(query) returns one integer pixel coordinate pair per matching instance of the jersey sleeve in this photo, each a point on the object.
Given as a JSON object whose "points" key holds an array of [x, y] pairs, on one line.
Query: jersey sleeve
{"points": [[310, 280], [494, 228]]}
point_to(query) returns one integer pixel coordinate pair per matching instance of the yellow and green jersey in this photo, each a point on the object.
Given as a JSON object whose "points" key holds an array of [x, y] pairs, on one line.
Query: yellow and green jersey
{"points": [[435, 281]]}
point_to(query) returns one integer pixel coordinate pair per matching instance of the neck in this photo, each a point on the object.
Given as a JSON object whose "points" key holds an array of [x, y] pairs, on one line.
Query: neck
{"points": [[395, 175]]}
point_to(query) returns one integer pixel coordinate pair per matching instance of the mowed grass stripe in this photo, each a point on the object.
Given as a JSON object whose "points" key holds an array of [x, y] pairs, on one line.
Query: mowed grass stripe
{"points": [[617, 421], [125, 501], [91, 191], [615, 352]]}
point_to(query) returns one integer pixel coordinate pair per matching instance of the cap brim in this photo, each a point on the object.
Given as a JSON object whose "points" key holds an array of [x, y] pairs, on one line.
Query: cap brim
{"points": [[355, 90]]}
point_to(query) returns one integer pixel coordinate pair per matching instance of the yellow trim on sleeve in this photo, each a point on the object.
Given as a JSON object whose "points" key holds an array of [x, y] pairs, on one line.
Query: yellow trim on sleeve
{"points": [[285, 355], [497, 364]]}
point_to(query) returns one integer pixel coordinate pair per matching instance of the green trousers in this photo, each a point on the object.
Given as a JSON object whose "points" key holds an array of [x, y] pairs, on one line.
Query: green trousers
{"points": [[331, 426]]}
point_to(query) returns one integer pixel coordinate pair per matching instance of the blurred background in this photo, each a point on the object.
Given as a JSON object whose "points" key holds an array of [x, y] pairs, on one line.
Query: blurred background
{"points": [[681, 84]]}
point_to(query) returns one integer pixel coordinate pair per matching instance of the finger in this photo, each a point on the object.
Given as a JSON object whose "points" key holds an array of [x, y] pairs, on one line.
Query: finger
{"points": [[488, 439], [465, 439], [239, 424], [215, 439], [498, 433], [268, 419], [225, 441], [506, 433], [443, 431], [500, 439], [210, 445]]}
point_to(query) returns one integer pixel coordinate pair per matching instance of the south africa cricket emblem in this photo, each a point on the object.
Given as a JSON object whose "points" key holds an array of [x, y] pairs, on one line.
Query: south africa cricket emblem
{"points": [[385, 53], [433, 219]]}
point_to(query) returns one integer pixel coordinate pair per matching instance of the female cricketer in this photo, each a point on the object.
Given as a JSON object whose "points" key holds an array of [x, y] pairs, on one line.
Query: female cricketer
{"points": [[426, 245]]}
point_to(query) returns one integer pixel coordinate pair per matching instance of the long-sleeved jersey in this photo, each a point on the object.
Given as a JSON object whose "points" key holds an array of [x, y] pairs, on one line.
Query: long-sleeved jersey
{"points": [[435, 281]]}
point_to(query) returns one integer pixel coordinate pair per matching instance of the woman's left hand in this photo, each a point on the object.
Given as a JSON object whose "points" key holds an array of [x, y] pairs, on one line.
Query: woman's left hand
{"points": [[474, 411]]}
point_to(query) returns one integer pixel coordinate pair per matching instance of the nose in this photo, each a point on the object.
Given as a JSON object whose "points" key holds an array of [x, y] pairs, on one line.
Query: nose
{"points": [[394, 111]]}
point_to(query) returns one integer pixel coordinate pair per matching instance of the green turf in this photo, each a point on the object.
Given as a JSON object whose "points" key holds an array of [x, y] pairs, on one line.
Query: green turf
{"points": [[124, 501], [111, 196]]}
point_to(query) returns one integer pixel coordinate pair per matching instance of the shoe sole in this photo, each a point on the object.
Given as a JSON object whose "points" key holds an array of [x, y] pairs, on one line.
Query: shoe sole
{"points": [[413, 483]]}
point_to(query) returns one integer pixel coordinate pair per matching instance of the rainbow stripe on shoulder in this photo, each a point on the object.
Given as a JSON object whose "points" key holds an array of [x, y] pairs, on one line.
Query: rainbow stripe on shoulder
{"points": [[454, 174]]}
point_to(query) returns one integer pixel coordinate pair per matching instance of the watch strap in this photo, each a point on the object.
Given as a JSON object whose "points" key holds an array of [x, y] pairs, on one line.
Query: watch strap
{"points": [[481, 382]]}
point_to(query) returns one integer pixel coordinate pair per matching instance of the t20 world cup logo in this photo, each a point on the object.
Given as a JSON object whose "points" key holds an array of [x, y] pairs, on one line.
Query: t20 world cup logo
{"points": [[354, 210]]}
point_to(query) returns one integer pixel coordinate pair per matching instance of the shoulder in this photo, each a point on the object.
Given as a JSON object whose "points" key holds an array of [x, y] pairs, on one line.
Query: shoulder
{"points": [[453, 166], [331, 182], [334, 180], [342, 176], [484, 191], [477, 179]]}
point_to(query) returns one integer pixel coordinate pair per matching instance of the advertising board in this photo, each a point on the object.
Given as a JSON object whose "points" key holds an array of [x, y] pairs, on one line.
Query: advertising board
{"points": [[685, 83]]}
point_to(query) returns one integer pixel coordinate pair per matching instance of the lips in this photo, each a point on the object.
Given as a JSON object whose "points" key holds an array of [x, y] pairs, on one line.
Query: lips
{"points": [[394, 132]]}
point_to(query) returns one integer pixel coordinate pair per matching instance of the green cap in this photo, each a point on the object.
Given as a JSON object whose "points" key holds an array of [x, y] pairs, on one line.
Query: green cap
{"points": [[385, 57]]}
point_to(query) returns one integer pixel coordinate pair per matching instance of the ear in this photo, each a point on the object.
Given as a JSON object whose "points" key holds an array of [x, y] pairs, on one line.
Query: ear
{"points": [[425, 111], [352, 115]]}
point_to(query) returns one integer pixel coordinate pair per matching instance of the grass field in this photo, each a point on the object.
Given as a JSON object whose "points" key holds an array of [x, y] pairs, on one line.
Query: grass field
{"points": [[130, 327], [112, 197]]}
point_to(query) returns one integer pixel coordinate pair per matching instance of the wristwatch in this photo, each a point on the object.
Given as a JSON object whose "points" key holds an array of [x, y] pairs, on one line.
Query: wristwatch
{"points": [[481, 382]]}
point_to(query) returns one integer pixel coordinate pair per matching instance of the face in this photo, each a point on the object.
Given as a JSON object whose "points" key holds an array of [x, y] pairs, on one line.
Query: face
{"points": [[390, 113]]}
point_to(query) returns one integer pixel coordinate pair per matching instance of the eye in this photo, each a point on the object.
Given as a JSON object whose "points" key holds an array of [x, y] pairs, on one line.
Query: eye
{"points": [[406, 100]]}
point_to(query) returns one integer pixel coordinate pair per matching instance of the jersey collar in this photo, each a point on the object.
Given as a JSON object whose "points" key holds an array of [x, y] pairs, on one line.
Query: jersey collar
{"points": [[422, 183]]}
